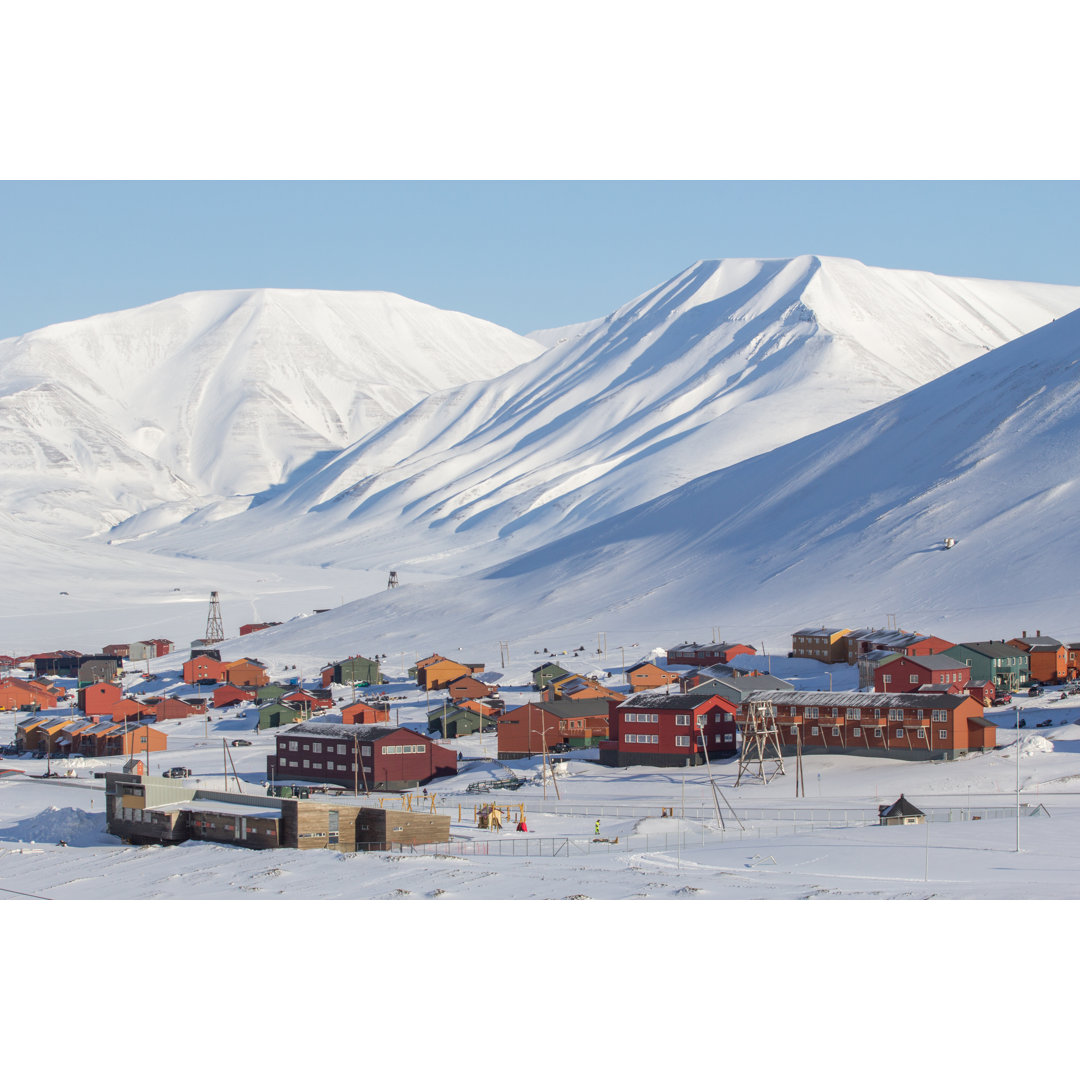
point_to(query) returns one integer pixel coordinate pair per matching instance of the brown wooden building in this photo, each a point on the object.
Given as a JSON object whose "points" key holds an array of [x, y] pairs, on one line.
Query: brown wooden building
{"points": [[157, 810]]}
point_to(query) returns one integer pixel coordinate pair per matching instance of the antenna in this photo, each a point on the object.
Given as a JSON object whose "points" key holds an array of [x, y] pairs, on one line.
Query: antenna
{"points": [[214, 630]]}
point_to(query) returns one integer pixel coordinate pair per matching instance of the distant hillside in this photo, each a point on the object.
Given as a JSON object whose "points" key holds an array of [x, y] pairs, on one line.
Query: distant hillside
{"points": [[210, 395]]}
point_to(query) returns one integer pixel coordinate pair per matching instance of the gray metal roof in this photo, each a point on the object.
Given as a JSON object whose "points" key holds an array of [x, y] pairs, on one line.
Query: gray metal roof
{"points": [[650, 699], [819, 631], [1041, 644], [936, 662], [358, 732], [996, 650], [849, 698], [737, 688]]}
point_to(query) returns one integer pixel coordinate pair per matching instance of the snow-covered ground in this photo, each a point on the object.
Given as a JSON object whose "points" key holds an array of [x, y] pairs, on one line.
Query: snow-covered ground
{"points": [[764, 844]]}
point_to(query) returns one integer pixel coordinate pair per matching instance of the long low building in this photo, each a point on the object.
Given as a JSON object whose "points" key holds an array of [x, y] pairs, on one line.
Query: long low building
{"points": [[359, 757], [157, 810], [915, 727]]}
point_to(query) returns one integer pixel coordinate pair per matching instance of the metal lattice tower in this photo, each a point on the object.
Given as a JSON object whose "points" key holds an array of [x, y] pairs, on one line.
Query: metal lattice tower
{"points": [[214, 630], [393, 582], [760, 754]]}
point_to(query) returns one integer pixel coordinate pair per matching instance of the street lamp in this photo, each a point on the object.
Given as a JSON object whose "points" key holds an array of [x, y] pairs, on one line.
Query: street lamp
{"points": [[1016, 710]]}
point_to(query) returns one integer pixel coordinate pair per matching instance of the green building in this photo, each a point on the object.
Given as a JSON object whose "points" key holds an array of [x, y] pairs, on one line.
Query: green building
{"points": [[1005, 666]]}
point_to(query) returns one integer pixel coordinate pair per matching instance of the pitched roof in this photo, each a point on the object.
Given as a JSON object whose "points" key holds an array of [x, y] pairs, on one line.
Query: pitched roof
{"points": [[996, 650], [359, 732], [901, 808], [1041, 644], [936, 662], [849, 698], [650, 699]]}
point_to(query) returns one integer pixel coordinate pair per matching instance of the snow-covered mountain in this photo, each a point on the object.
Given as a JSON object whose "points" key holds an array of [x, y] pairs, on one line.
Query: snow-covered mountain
{"points": [[842, 527], [727, 360], [196, 399]]}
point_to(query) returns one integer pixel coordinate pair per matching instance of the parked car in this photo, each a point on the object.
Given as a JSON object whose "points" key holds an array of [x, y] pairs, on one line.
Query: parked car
{"points": [[1035, 691], [241, 742], [176, 771], [1003, 699]]}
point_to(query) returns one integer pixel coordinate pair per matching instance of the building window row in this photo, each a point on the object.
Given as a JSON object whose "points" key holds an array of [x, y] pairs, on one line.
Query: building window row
{"points": [[640, 738], [642, 718], [404, 749]]}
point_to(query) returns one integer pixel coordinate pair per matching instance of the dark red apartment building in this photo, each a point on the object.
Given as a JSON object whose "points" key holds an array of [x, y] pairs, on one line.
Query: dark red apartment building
{"points": [[668, 730]]}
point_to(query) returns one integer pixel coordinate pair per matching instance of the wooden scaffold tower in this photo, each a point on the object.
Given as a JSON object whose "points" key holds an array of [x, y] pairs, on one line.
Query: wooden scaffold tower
{"points": [[760, 755]]}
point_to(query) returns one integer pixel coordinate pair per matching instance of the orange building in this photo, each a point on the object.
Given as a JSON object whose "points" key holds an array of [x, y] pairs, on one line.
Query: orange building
{"points": [[246, 672], [649, 676], [20, 694], [98, 698], [360, 712], [1048, 658]]}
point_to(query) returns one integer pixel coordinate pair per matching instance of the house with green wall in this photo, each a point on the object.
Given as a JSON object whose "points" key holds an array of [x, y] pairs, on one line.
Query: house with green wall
{"points": [[1005, 666]]}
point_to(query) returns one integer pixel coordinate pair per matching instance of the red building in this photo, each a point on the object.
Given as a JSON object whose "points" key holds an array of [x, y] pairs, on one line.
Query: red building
{"points": [[204, 669], [99, 698], [724, 652], [360, 712], [649, 676], [668, 730], [227, 695], [359, 757], [915, 727], [254, 627], [861, 642], [906, 674]]}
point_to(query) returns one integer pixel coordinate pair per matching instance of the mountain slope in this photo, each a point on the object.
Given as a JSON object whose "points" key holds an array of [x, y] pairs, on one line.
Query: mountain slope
{"points": [[725, 361], [210, 395]]}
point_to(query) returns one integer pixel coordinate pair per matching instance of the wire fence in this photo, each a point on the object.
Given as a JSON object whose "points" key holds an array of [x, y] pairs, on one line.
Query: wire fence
{"points": [[565, 846]]}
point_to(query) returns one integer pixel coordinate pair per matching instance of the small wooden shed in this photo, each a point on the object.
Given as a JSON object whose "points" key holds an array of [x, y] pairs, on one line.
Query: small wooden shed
{"points": [[901, 812]]}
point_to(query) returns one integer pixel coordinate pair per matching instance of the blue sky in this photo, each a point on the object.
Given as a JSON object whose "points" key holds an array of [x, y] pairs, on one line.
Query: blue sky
{"points": [[523, 254]]}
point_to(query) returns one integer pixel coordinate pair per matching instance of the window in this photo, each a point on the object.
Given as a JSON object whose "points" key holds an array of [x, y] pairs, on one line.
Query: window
{"points": [[920, 733], [281, 761], [293, 745], [366, 751], [836, 731], [812, 712], [877, 733], [729, 737], [836, 712], [813, 731], [341, 768], [877, 714], [306, 747], [307, 764], [316, 748], [896, 714], [899, 733], [919, 714], [292, 764], [856, 732], [341, 748], [886, 679], [942, 734], [794, 729], [682, 740], [913, 679], [719, 738], [682, 719], [939, 716]]}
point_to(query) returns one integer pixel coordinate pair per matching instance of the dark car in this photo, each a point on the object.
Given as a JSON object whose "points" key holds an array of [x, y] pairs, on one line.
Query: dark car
{"points": [[1035, 691], [241, 742], [176, 771]]}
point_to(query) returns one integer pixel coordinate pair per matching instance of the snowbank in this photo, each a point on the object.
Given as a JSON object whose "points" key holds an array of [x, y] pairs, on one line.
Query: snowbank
{"points": [[75, 827]]}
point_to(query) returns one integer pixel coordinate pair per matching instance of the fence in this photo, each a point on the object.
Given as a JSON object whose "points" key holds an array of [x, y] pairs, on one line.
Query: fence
{"points": [[552, 846]]}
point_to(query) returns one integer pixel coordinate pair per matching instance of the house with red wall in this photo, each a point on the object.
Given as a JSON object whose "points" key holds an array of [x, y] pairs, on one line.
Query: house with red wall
{"points": [[359, 757], [906, 674], [668, 730], [690, 652], [99, 698], [204, 669], [23, 694], [362, 712], [914, 727]]}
